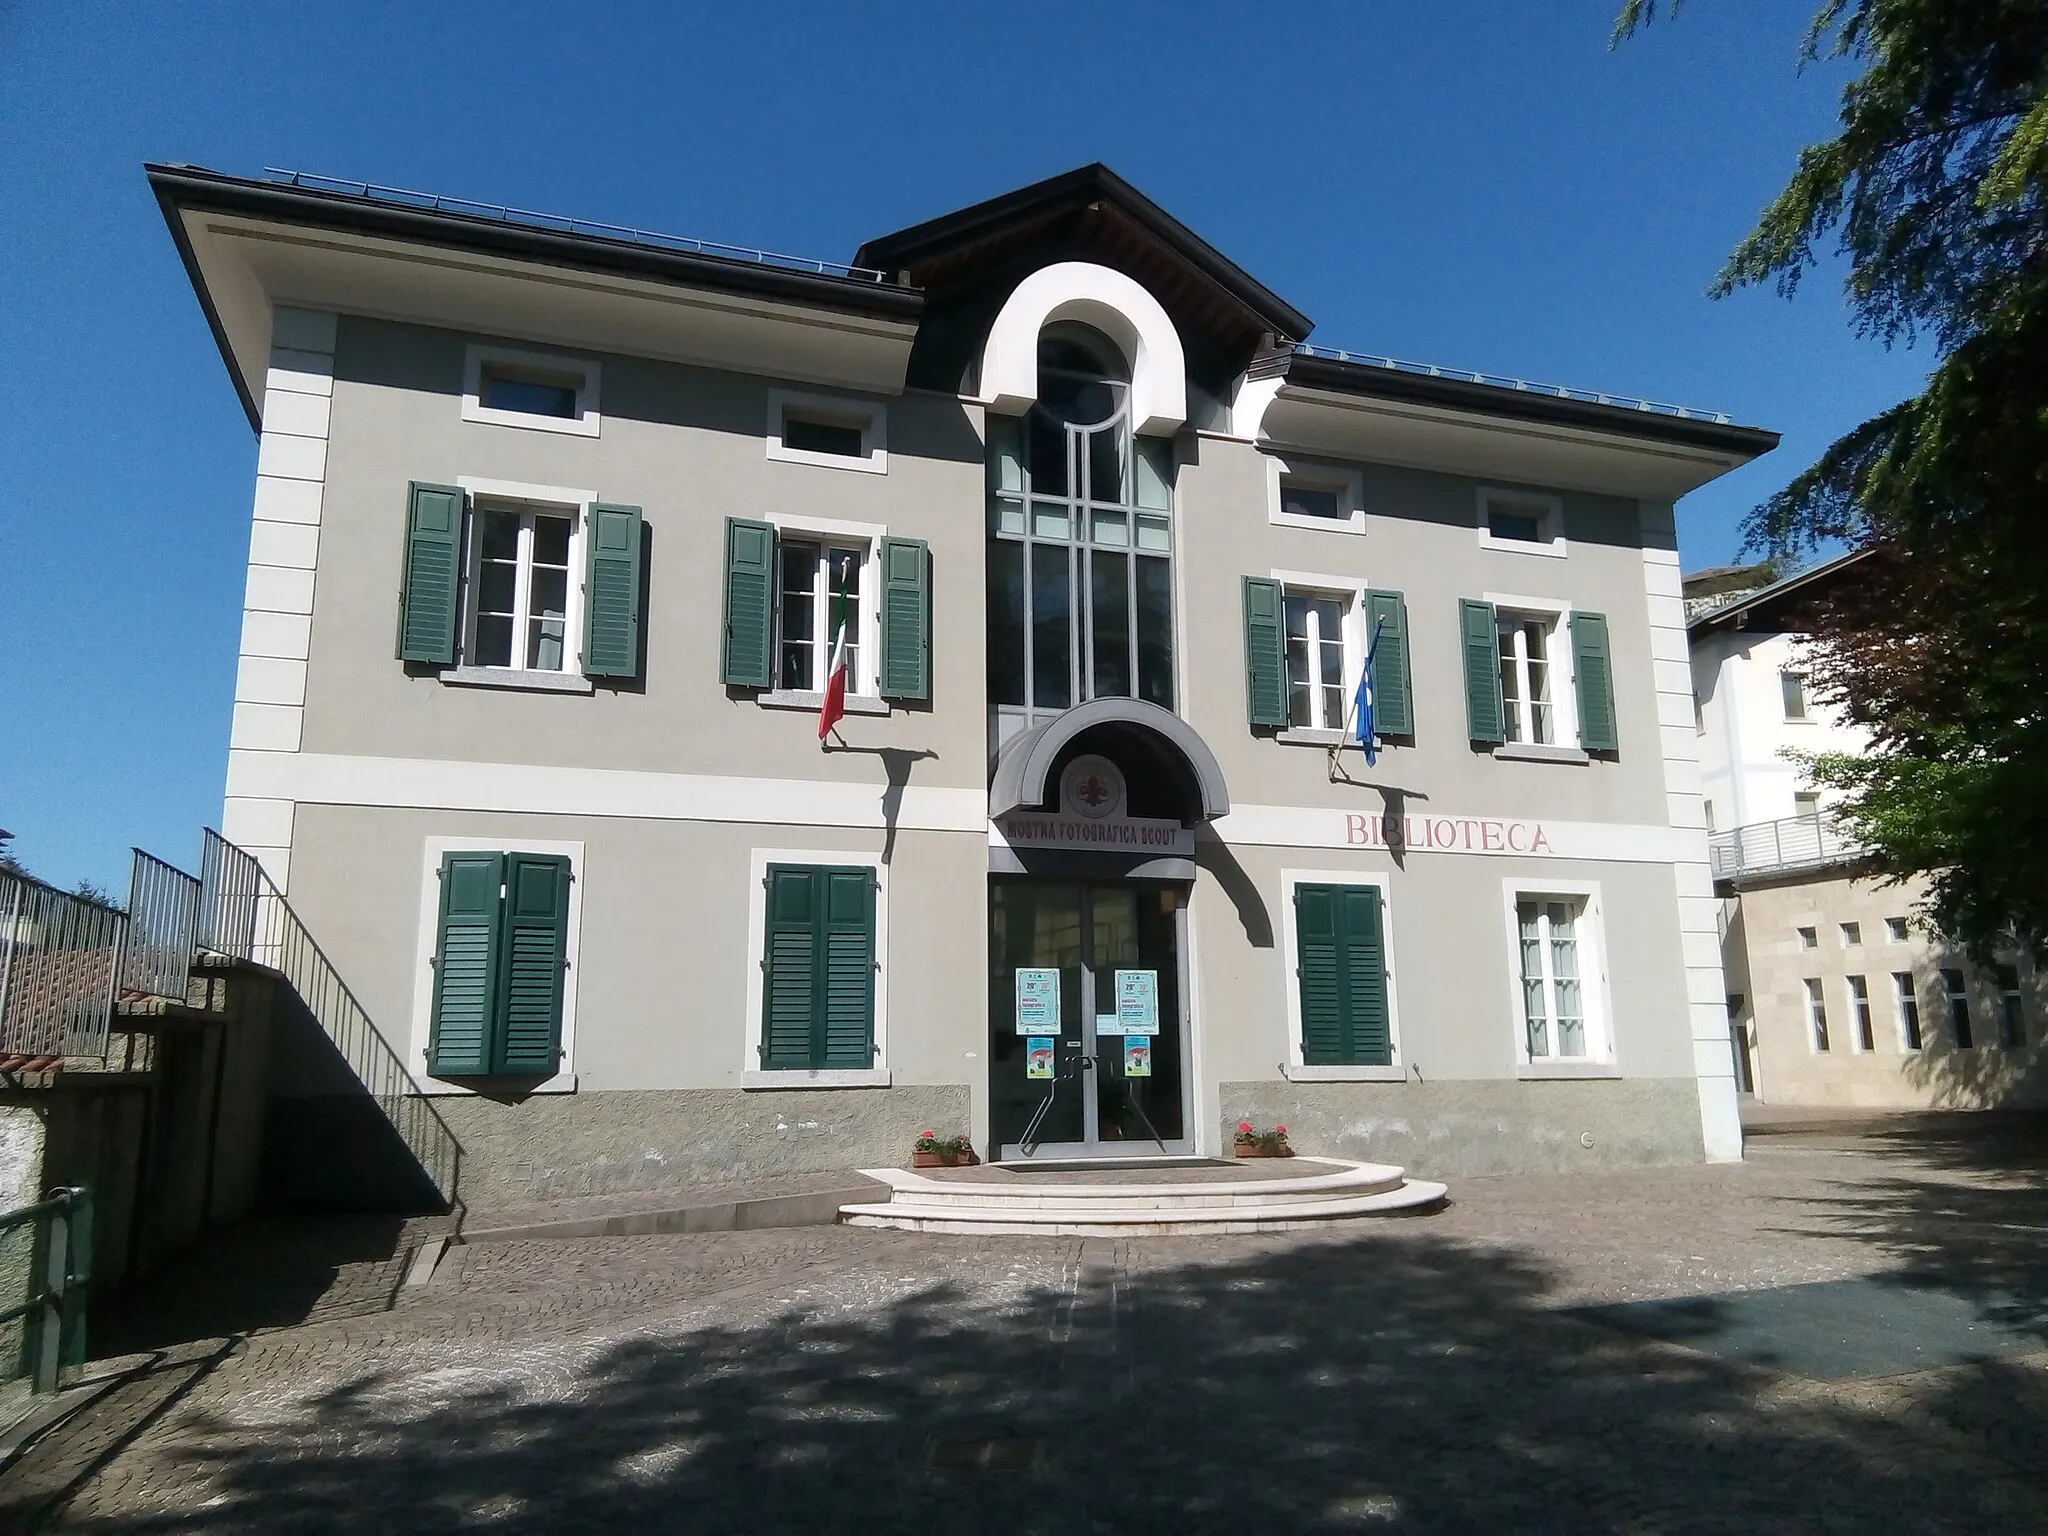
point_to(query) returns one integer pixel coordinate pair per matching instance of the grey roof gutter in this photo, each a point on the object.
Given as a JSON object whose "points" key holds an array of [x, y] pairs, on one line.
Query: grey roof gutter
{"points": [[1337, 376]]}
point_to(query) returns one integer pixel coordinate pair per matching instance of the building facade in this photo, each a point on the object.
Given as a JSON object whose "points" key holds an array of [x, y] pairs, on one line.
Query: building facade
{"points": [[1839, 992], [561, 534]]}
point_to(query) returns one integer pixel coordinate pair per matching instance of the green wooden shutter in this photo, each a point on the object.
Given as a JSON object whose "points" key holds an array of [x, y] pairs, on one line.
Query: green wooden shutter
{"points": [[744, 660], [611, 593], [466, 951], [906, 661], [1483, 708], [787, 991], [1593, 676], [1265, 653], [1363, 973], [846, 960], [1393, 706], [535, 945], [432, 575], [1341, 971], [1317, 973]]}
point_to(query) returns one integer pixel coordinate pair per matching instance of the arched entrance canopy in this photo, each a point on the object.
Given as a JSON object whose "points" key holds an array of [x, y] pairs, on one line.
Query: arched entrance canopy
{"points": [[1027, 760]]}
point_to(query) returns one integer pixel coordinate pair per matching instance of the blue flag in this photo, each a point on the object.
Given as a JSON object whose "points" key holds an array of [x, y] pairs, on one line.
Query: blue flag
{"points": [[1362, 708]]}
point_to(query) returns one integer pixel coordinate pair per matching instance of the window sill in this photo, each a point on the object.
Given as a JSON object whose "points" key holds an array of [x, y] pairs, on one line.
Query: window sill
{"points": [[1552, 548], [1530, 752], [1296, 1073], [789, 698], [462, 1087], [1350, 522], [1561, 1071], [585, 424], [799, 1077], [506, 677], [1302, 736]]}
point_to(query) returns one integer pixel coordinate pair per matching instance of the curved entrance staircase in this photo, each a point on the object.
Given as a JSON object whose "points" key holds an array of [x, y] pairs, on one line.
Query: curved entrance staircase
{"points": [[1142, 1198]]}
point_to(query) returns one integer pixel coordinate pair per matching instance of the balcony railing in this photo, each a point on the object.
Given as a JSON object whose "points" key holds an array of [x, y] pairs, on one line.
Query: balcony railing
{"points": [[1770, 847], [163, 913]]}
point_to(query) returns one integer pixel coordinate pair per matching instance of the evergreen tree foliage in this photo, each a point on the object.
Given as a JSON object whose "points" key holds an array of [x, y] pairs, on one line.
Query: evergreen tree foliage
{"points": [[1936, 192]]}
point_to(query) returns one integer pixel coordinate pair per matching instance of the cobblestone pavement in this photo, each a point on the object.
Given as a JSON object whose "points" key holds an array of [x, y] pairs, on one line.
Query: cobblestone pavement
{"points": [[1407, 1375]]}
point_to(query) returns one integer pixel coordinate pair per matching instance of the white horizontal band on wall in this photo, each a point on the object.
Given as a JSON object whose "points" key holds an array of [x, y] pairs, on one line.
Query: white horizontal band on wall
{"points": [[438, 784]]}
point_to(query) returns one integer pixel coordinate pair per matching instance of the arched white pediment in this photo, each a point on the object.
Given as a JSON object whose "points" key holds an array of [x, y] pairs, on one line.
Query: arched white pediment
{"points": [[1116, 306]]}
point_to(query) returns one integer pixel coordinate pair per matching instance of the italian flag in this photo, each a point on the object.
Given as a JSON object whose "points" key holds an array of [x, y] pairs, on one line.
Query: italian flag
{"points": [[834, 707]]}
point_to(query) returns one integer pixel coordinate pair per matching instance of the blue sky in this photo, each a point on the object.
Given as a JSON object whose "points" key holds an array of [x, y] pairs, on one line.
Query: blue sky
{"points": [[1482, 185]]}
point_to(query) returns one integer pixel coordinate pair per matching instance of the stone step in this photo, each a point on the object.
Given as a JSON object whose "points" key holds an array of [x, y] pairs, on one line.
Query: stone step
{"points": [[1098, 1218], [1230, 1187]]}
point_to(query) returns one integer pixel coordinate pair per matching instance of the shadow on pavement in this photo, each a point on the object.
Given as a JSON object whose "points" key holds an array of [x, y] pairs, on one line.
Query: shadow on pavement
{"points": [[1418, 1385]]}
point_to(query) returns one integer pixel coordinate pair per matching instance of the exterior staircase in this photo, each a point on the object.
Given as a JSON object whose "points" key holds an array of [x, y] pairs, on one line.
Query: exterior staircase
{"points": [[1142, 1198]]}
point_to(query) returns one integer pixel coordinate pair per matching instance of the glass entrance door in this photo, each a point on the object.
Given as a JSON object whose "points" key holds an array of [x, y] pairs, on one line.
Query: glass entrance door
{"points": [[1086, 1034]]}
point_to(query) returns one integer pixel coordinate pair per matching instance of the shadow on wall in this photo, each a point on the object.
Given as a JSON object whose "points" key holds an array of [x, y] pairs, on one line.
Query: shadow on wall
{"points": [[1988, 1074], [327, 1144], [1410, 1384]]}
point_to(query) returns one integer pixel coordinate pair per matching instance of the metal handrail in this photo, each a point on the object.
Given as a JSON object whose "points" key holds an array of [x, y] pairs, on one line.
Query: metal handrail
{"points": [[257, 924], [1790, 842], [566, 224], [60, 962], [1525, 386], [163, 920], [56, 1310]]}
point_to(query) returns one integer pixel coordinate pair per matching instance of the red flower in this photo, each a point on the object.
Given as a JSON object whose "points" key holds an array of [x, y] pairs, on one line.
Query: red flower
{"points": [[1279, 1130], [926, 1134], [1244, 1125]]}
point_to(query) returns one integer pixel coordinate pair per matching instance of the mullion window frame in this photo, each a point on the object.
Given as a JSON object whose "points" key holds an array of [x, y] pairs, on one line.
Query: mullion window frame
{"points": [[476, 510], [820, 642], [1350, 653], [1589, 941]]}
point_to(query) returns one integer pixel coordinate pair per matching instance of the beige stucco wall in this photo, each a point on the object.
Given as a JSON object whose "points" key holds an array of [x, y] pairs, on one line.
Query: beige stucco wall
{"points": [[1939, 1075]]}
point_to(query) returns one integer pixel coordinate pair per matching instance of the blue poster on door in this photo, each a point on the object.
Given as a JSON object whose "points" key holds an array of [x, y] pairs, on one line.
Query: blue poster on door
{"points": [[1038, 1000], [1137, 1002]]}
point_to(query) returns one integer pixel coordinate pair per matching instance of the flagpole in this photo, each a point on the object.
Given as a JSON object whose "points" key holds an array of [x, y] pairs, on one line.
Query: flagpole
{"points": [[1371, 650]]}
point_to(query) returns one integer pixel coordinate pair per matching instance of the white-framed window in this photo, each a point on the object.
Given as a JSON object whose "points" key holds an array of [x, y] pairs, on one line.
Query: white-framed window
{"points": [[1895, 930], [1534, 649], [1955, 992], [815, 558], [1809, 938], [1852, 935], [1322, 629], [522, 590], [1816, 1016], [1527, 522], [833, 431], [2012, 1011], [1710, 817], [1301, 493], [1792, 692], [1806, 803], [752, 1073], [1908, 1000], [543, 391], [1559, 975], [1291, 880], [1860, 1038], [420, 1036]]}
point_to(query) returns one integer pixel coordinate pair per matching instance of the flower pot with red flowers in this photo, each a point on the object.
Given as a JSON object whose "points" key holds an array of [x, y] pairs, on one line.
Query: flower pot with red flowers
{"points": [[1251, 1142], [933, 1151]]}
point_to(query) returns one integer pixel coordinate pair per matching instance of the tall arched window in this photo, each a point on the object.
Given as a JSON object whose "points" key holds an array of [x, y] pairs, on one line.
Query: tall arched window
{"points": [[1080, 581]]}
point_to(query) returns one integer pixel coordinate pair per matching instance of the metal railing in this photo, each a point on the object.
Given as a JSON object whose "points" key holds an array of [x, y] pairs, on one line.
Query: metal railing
{"points": [[1525, 386], [229, 881], [1793, 842], [60, 960], [257, 924], [565, 224], [46, 1259], [163, 919]]}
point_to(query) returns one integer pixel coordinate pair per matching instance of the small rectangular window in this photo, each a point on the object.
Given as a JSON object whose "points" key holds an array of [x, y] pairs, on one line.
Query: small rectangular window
{"points": [[1793, 686], [1852, 935], [1895, 930], [1710, 816], [1816, 1014], [1525, 521], [1909, 1010], [1298, 500], [2012, 1017], [1809, 938], [1508, 520], [1806, 802], [810, 435], [504, 389], [1859, 1010], [1957, 993]]}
